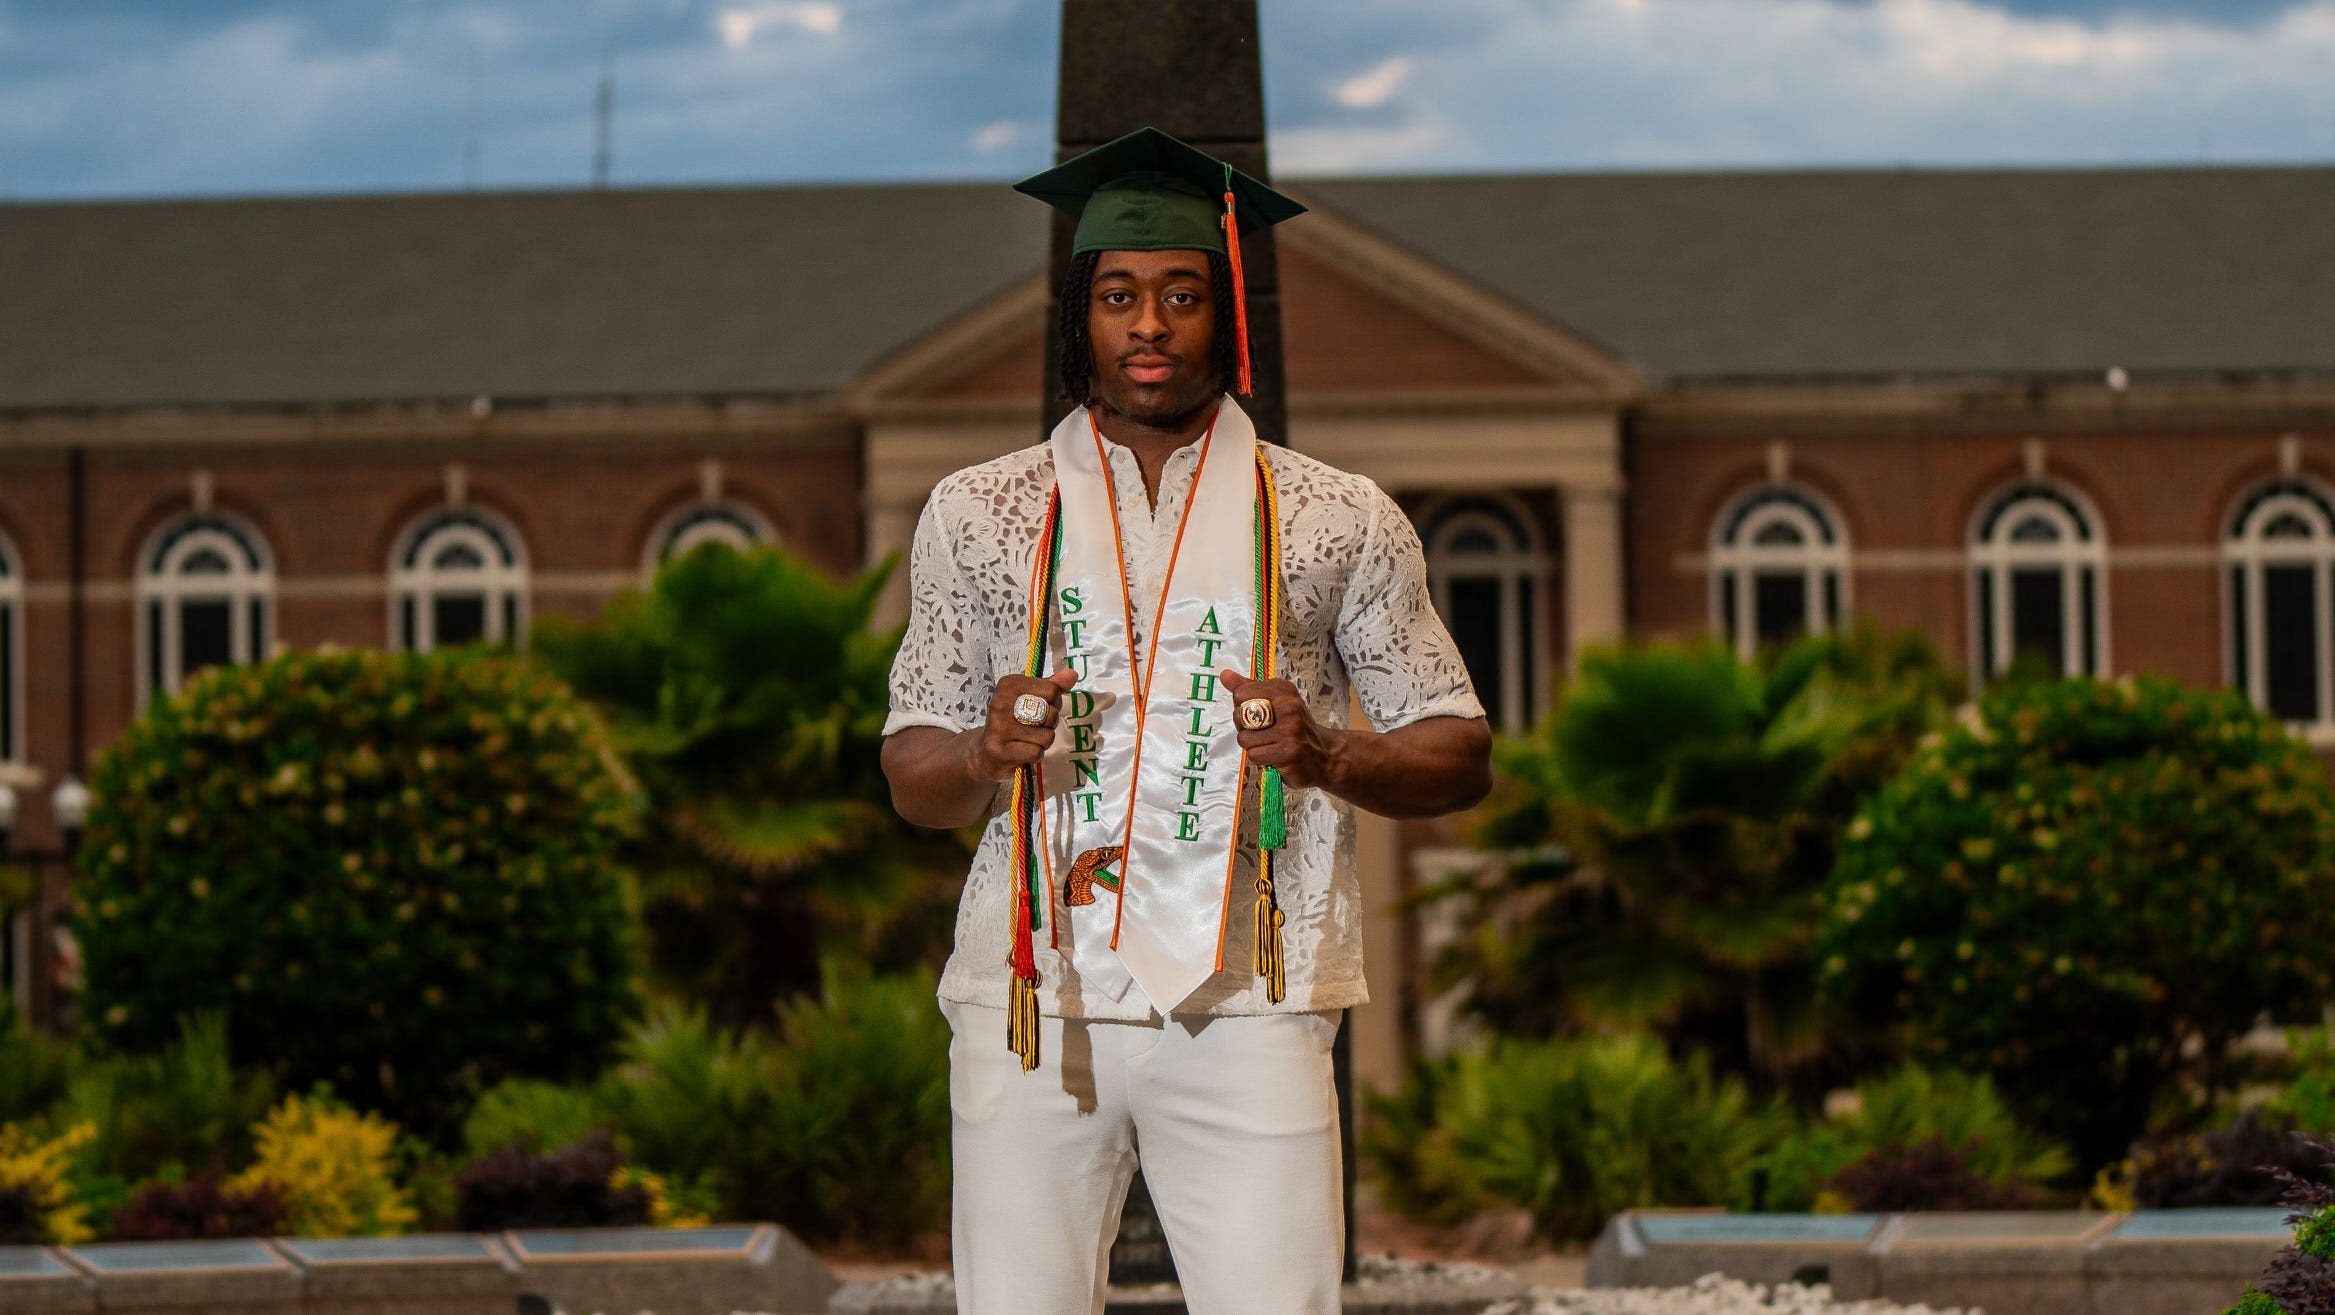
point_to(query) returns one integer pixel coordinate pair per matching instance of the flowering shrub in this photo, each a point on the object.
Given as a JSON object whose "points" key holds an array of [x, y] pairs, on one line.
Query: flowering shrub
{"points": [[393, 872], [2087, 891], [333, 1169], [37, 1201]]}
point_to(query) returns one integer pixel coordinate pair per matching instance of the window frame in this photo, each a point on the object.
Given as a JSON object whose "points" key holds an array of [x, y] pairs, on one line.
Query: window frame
{"points": [[1523, 564], [2081, 556], [248, 588], [1737, 561], [665, 540], [502, 582], [2246, 556]]}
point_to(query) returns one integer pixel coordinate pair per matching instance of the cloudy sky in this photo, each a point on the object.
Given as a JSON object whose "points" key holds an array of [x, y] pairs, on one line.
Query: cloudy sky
{"points": [[174, 97]]}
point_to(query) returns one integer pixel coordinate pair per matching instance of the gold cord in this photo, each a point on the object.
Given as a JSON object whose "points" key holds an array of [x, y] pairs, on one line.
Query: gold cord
{"points": [[1268, 932], [1021, 1020]]}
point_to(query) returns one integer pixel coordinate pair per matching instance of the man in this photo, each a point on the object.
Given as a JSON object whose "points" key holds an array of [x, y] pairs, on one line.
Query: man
{"points": [[1161, 929]]}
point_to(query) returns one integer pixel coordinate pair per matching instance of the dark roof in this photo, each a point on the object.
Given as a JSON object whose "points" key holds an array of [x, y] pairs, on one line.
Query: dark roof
{"points": [[517, 295], [797, 290], [1898, 272]]}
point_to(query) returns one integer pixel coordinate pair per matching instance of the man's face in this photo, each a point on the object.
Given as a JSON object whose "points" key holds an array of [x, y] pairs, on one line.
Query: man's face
{"points": [[1152, 321]]}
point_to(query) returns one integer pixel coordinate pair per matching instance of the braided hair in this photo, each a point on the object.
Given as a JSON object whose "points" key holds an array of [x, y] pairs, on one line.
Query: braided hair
{"points": [[1076, 364]]}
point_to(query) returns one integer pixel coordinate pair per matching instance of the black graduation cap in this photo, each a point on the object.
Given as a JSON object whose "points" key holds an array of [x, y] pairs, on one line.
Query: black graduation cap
{"points": [[1148, 191]]}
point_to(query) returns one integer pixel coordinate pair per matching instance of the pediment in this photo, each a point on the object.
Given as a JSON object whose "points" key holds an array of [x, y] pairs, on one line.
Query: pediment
{"points": [[1363, 320]]}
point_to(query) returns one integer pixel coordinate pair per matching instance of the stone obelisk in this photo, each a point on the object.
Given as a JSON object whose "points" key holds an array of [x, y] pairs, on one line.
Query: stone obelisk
{"points": [[1188, 68]]}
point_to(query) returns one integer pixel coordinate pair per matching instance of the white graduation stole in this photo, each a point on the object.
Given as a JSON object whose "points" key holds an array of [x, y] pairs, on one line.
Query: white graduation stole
{"points": [[1141, 820]]}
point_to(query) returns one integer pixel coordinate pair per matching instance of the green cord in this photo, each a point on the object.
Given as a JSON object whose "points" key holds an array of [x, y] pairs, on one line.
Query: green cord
{"points": [[1272, 821]]}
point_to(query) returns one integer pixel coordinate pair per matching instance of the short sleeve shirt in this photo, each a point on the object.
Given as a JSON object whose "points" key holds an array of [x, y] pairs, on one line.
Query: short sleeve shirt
{"points": [[1359, 627]]}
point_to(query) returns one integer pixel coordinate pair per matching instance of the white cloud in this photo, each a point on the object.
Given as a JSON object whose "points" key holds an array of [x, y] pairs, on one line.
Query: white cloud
{"points": [[990, 138], [1604, 83], [740, 26], [1338, 149], [1373, 86]]}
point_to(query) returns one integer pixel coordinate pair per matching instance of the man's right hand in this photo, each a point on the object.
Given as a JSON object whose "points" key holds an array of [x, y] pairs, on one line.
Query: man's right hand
{"points": [[996, 749]]}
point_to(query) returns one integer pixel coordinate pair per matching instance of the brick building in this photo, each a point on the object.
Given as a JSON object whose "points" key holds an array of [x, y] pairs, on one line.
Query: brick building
{"points": [[2084, 414]]}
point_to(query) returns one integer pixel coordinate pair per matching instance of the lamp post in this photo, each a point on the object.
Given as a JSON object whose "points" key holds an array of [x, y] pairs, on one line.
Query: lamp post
{"points": [[69, 807], [69, 804]]}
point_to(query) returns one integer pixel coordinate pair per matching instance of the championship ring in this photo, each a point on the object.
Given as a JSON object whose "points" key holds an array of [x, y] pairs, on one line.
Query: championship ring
{"points": [[1029, 710], [1254, 714]]}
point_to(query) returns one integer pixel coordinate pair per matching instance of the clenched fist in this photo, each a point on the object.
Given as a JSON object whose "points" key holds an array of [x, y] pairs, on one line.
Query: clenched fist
{"points": [[1004, 744], [1307, 752]]}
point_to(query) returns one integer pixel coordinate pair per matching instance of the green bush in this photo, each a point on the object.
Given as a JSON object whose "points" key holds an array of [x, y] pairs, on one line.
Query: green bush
{"points": [[393, 872], [1572, 1131], [2307, 1099], [533, 1115], [837, 1126], [1903, 1111], [35, 1068], [747, 693], [1666, 836], [177, 1111], [2088, 890]]}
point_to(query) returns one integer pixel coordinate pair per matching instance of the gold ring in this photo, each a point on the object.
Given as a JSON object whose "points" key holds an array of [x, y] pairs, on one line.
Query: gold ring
{"points": [[1254, 714], [1029, 710]]}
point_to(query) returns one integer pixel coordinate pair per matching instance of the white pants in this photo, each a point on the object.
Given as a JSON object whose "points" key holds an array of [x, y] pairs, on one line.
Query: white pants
{"points": [[1237, 1119]]}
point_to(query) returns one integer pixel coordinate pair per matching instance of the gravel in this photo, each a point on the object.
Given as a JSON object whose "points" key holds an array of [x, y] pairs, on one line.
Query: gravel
{"points": [[1711, 1294]]}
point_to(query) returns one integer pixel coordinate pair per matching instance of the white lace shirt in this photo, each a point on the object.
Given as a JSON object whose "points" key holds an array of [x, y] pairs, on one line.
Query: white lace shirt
{"points": [[1359, 622]]}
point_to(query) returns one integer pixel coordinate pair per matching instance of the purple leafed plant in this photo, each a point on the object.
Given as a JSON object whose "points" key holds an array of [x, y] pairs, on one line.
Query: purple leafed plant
{"points": [[2301, 1278]]}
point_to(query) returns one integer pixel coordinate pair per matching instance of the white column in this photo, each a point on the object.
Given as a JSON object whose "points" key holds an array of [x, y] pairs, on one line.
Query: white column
{"points": [[1593, 566], [891, 527]]}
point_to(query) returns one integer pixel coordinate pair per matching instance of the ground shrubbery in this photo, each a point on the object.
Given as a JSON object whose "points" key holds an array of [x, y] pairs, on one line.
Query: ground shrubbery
{"points": [[1575, 1130], [2089, 890], [1571, 1131], [835, 1124], [392, 872]]}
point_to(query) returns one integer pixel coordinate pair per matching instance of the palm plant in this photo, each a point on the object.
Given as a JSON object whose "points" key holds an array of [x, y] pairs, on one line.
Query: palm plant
{"points": [[1662, 842], [747, 694]]}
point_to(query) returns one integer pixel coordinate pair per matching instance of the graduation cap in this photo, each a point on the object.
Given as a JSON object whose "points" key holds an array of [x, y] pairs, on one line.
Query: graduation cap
{"points": [[1148, 191]]}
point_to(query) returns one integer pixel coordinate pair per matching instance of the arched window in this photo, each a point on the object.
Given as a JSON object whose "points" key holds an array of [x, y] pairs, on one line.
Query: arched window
{"points": [[205, 591], [1485, 566], [459, 574], [1779, 569], [739, 526], [11, 654], [2280, 552], [2036, 555]]}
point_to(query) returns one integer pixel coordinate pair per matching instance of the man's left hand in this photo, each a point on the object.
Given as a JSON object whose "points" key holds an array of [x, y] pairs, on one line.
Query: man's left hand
{"points": [[1307, 752]]}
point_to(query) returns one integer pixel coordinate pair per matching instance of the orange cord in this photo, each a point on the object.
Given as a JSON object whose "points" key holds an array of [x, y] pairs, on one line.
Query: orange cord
{"points": [[1240, 292]]}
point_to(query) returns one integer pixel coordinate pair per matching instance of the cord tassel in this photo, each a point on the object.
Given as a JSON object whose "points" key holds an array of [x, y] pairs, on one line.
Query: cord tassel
{"points": [[1021, 1020], [1268, 932], [1240, 286], [1272, 819]]}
